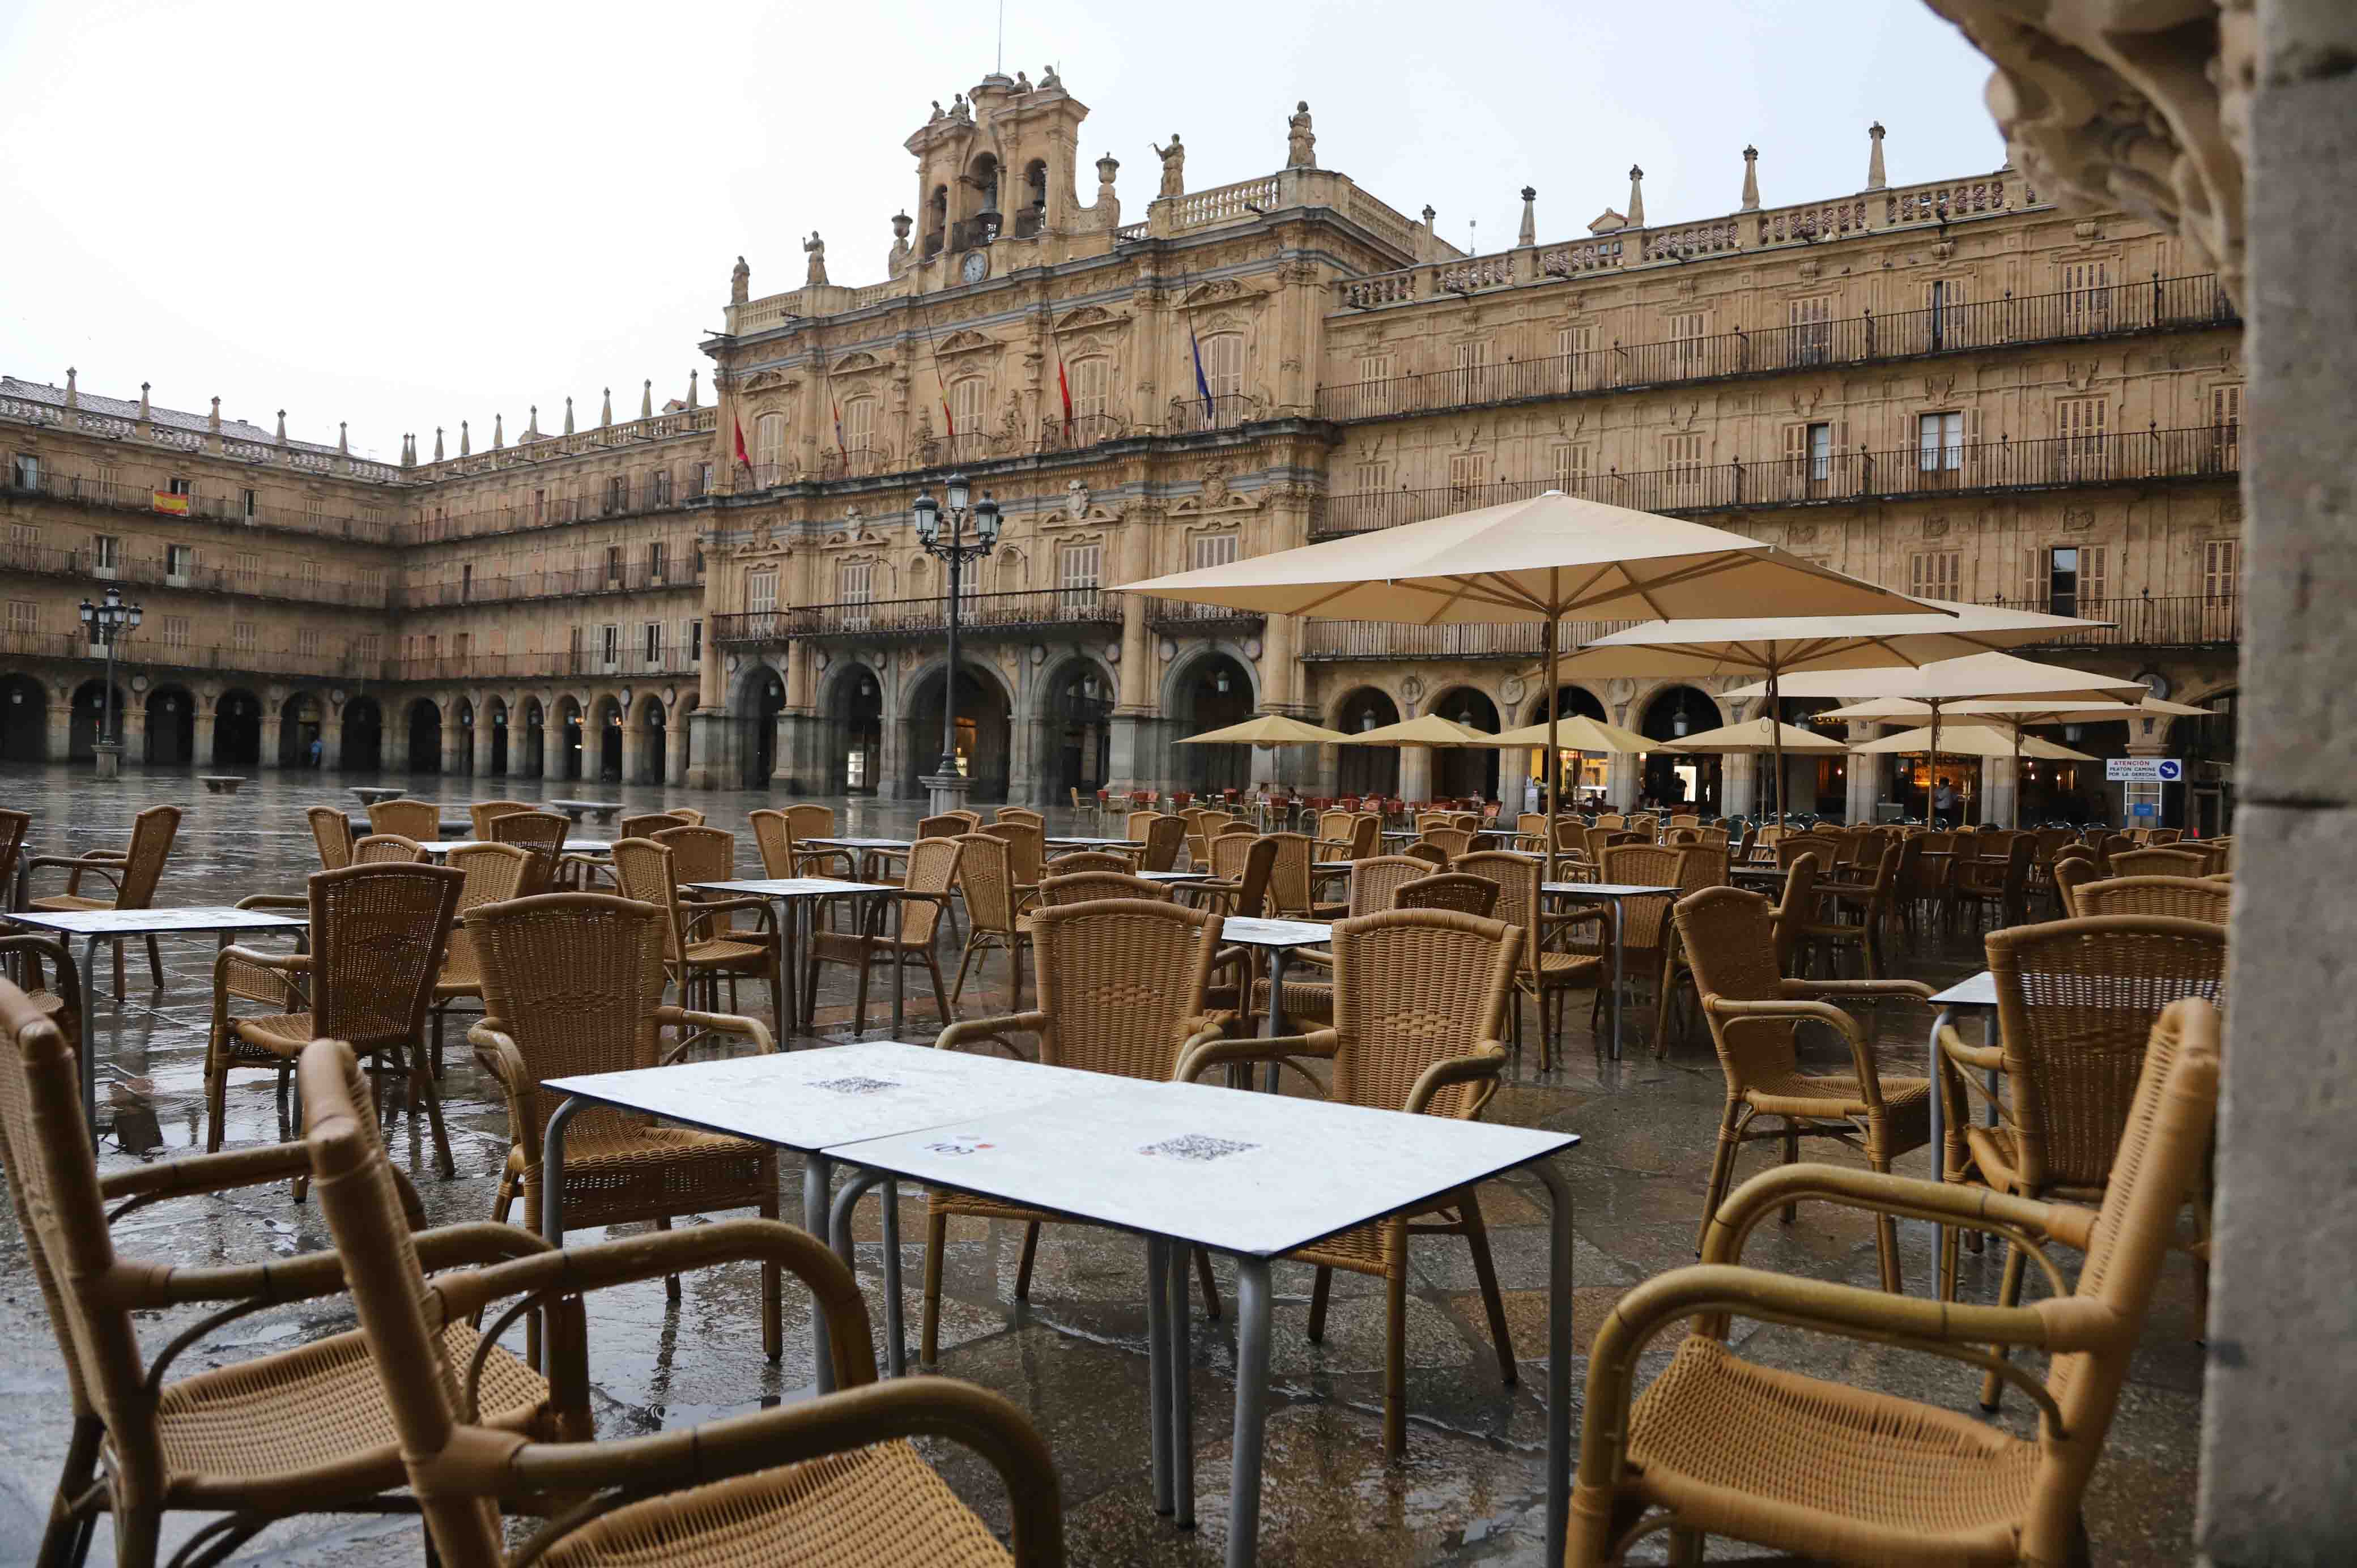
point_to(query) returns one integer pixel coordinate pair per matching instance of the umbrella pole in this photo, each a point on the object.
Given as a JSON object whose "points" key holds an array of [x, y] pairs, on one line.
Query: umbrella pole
{"points": [[2017, 778], [1554, 757], [1776, 739], [1932, 781]]}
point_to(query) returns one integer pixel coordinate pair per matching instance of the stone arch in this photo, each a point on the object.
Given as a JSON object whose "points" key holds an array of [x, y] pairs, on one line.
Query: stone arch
{"points": [[1672, 709], [756, 696], [851, 712], [528, 737], [361, 748], [23, 719], [986, 711], [1573, 700], [171, 726], [652, 724], [570, 718], [89, 716], [2205, 802], [423, 718], [1365, 770], [237, 729], [1072, 716], [602, 755], [302, 717], [493, 711], [1208, 687]]}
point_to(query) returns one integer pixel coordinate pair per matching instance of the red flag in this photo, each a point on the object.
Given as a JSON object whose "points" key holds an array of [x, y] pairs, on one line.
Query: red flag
{"points": [[741, 444], [949, 420], [1065, 388]]}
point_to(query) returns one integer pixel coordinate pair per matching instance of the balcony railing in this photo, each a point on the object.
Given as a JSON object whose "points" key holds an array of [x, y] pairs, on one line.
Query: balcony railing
{"points": [[2203, 452], [2147, 620], [536, 666], [158, 571], [979, 614], [143, 651], [2161, 305], [635, 577], [123, 494], [1188, 416], [1182, 619], [629, 501]]}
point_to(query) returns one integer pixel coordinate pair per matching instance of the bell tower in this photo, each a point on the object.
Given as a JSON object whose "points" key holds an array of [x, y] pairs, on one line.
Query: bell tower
{"points": [[994, 180]]}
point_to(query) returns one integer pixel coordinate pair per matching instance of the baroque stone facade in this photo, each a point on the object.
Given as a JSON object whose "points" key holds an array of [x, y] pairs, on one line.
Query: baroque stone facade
{"points": [[1956, 387]]}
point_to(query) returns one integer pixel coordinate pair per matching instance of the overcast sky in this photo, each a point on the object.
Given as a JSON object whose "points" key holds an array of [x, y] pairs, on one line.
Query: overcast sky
{"points": [[402, 216]]}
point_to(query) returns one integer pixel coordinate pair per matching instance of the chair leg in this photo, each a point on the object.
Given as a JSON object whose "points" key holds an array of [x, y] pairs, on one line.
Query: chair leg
{"points": [[773, 1296], [958, 990], [1661, 1000], [1212, 1286], [671, 1281], [1792, 1156], [1685, 1549], [1722, 1168], [1023, 1265], [216, 1097], [424, 1082], [1319, 1289], [941, 994], [1395, 1358], [1950, 1237], [2009, 1294], [137, 1533], [1886, 1241], [1485, 1273], [67, 1529], [937, 1235], [118, 969]]}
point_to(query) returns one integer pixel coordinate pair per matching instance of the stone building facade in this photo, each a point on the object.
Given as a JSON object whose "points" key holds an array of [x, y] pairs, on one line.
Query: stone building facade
{"points": [[1952, 387]]}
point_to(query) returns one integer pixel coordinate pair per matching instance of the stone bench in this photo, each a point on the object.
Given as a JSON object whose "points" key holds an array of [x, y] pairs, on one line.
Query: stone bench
{"points": [[219, 783]]}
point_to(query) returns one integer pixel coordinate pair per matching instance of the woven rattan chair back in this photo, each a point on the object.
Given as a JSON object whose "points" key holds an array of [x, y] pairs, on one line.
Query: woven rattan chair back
{"points": [[482, 813], [1427, 820], [420, 820], [331, 831], [1073, 862], [1644, 922], [1255, 865], [1682, 837], [1413, 987], [1288, 875], [1027, 849], [2076, 1002], [647, 824], [388, 849], [2071, 873], [1334, 826], [1515, 876], [1366, 835], [1570, 836], [2111, 844], [808, 821], [1731, 941], [494, 874], [1228, 827], [1462, 891], [1685, 819], [2174, 897], [1164, 837], [1530, 825], [377, 936], [649, 875], [1136, 823], [1611, 820], [1021, 814], [700, 855], [773, 840], [543, 832], [933, 868], [1431, 855], [2160, 862], [1376, 880], [1094, 887], [943, 827], [1123, 982], [575, 980], [152, 831], [1451, 842], [985, 874], [1796, 910], [1790, 846], [1646, 824]]}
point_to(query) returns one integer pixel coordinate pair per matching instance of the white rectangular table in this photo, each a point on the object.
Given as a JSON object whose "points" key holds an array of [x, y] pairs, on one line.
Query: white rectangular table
{"points": [[94, 926], [790, 893], [1279, 937], [1612, 894], [603, 810], [1256, 1177], [438, 848], [805, 1101]]}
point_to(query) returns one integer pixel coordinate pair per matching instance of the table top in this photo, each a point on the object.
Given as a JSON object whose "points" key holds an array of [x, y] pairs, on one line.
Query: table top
{"points": [[1980, 991], [572, 847], [812, 1100], [145, 922], [589, 805], [791, 886], [372, 793], [1171, 875], [1061, 842], [1250, 930], [1338, 866], [860, 844], [454, 827], [1239, 1172], [1603, 889]]}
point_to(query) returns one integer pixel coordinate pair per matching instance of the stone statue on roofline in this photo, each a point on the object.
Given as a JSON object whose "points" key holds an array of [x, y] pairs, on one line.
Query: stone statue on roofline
{"points": [[1174, 166], [740, 282], [815, 248], [1300, 141]]}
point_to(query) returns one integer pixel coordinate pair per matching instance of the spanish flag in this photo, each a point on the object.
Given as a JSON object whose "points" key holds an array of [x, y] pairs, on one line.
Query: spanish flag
{"points": [[165, 501]]}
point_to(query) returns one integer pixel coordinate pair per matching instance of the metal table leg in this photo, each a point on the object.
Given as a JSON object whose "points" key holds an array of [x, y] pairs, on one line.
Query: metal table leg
{"points": [[1558, 1394], [817, 1172], [1158, 1352], [1252, 1411], [900, 970], [896, 1351], [1177, 1279], [1275, 1025], [789, 933], [1618, 928]]}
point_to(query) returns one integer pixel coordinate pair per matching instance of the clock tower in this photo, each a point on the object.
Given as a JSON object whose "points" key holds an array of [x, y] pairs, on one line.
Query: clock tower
{"points": [[994, 183]]}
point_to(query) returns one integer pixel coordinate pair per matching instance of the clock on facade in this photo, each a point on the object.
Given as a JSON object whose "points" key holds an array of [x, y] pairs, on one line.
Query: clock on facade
{"points": [[2157, 684], [975, 267]]}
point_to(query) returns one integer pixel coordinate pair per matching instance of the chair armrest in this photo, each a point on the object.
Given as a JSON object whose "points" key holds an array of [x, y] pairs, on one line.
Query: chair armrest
{"points": [[313, 1274], [1985, 1058], [284, 963], [977, 1030], [1485, 1065], [1317, 956], [500, 1057], [1905, 1198], [973, 1418], [1195, 1062], [1807, 988], [712, 1023], [1861, 1048]]}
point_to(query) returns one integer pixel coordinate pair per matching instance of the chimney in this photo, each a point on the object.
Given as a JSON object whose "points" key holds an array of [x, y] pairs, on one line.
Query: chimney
{"points": [[647, 399], [1529, 234], [1636, 197], [1875, 178], [1751, 179]]}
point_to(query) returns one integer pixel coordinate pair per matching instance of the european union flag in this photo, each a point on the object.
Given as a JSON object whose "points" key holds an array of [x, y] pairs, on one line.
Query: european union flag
{"points": [[1203, 383]]}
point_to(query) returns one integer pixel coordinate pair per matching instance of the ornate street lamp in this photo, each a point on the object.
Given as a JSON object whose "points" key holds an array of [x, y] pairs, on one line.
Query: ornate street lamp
{"points": [[949, 784], [106, 623]]}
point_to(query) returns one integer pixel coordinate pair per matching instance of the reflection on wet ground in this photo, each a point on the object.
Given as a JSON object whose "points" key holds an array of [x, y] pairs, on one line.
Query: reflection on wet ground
{"points": [[1074, 1356]]}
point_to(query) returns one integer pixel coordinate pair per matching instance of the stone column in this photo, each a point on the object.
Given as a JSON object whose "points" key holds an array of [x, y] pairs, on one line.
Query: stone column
{"points": [[274, 725], [782, 748], [1620, 784], [61, 716], [1740, 779], [714, 746], [1415, 773], [478, 744], [1865, 775], [634, 747], [675, 744], [1997, 791], [201, 746], [331, 738]]}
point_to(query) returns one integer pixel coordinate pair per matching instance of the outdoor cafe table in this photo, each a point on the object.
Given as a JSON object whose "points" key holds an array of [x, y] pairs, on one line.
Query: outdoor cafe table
{"points": [[807, 1101], [438, 848], [868, 849], [789, 893], [1256, 1177], [1062, 843], [1280, 938], [94, 926], [1613, 894], [460, 828], [371, 794], [603, 810]]}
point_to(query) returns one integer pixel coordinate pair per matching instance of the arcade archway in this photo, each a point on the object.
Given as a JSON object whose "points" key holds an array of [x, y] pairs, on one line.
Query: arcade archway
{"points": [[171, 727], [24, 719], [1675, 781], [1366, 769], [983, 725], [1211, 693], [1466, 775]]}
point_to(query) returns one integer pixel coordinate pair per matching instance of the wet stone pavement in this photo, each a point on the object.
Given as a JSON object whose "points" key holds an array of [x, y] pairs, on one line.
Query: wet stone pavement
{"points": [[1074, 1356]]}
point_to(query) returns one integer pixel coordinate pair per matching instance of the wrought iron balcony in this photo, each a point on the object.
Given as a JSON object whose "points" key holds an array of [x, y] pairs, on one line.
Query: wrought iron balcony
{"points": [[985, 615]]}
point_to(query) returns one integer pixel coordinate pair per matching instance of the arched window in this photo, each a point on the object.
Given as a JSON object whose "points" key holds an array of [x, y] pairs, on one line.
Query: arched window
{"points": [[770, 447], [1091, 384], [937, 219], [1033, 215]]}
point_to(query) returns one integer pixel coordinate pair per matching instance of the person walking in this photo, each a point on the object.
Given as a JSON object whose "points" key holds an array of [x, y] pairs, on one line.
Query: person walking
{"points": [[319, 750]]}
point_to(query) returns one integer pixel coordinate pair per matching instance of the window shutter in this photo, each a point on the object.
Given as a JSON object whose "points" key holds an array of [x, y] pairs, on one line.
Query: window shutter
{"points": [[2034, 585], [2095, 581], [2220, 568]]}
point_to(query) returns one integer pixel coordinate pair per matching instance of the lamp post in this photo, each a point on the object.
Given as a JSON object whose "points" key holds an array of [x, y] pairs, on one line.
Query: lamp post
{"points": [[949, 784], [106, 623]]}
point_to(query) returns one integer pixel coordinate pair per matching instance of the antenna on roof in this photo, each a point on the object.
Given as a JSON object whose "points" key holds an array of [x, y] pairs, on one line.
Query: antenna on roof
{"points": [[1000, 69]]}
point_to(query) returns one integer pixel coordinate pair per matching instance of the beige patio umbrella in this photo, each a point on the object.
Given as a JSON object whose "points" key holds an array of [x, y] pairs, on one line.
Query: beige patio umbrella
{"points": [[1577, 734], [2017, 715], [1754, 735], [1548, 559], [1780, 646], [1979, 677], [1268, 729]]}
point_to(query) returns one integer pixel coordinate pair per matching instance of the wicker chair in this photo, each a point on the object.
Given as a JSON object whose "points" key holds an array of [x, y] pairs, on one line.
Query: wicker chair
{"points": [[1073, 862], [1995, 881], [2072, 872], [1335, 829], [1834, 1472], [1242, 866], [573, 983], [696, 947], [283, 1433], [996, 924], [419, 820], [494, 873], [1791, 846], [483, 813], [932, 873], [1291, 895], [1871, 901], [543, 832], [2076, 1003], [1021, 814], [377, 935], [858, 1493], [1027, 855], [1645, 922], [1375, 881], [61, 1002], [1420, 999], [1698, 867], [1123, 989], [389, 849], [1548, 968], [2172, 897], [2160, 862], [1164, 837], [1464, 892], [331, 831], [1431, 855], [647, 824], [805, 823], [132, 873], [1755, 1017], [1091, 887], [1796, 912], [1451, 842]]}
